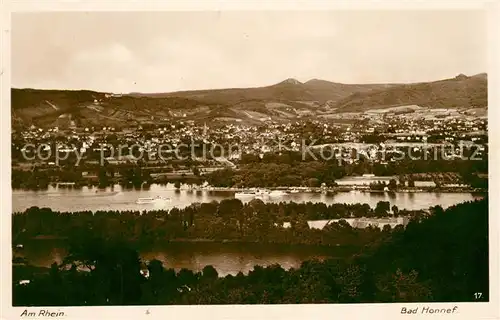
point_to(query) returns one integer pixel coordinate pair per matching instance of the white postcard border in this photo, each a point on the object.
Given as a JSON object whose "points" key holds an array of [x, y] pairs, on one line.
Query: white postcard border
{"points": [[485, 310]]}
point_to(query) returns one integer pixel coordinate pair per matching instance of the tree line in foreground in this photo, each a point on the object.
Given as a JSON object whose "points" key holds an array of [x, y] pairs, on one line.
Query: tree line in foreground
{"points": [[229, 219], [442, 257]]}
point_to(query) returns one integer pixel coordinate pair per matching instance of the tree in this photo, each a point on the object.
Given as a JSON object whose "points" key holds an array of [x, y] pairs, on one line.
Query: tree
{"points": [[103, 177], [382, 208], [437, 183], [395, 210], [437, 210], [186, 277], [402, 180], [156, 270], [177, 184], [55, 275], [393, 185], [196, 171], [411, 183], [402, 287], [228, 208], [157, 282], [350, 281], [114, 268], [209, 273], [313, 182]]}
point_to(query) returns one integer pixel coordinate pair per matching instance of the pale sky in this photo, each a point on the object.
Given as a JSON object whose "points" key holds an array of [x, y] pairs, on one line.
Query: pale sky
{"points": [[169, 51]]}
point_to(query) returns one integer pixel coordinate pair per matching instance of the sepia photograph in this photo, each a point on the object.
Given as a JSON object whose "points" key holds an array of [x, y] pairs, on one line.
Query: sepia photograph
{"points": [[269, 157]]}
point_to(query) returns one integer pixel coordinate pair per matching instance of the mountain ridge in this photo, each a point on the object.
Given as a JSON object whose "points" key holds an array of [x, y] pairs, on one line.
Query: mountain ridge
{"points": [[283, 101], [461, 91]]}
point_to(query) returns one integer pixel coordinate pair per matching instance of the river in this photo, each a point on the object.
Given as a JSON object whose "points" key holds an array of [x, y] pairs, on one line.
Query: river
{"points": [[226, 258], [115, 198]]}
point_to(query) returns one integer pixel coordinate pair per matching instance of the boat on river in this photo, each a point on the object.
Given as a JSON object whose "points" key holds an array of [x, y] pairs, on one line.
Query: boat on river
{"points": [[149, 200], [100, 193], [256, 193], [245, 194]]}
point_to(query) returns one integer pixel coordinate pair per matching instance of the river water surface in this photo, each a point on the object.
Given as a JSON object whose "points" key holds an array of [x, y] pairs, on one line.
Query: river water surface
{"points": [[116, 198], [227, 258]]}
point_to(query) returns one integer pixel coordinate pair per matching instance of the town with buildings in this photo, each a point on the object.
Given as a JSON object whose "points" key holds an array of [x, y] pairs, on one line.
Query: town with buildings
{"points": [[217, 146]]}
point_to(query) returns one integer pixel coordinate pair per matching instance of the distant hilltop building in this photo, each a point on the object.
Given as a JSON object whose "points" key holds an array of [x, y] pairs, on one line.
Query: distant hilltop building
{"points": [[292, 81]]}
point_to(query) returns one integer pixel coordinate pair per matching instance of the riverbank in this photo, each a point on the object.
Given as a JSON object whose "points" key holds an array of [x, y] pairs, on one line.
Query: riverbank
{"points": [[118, 199], [227, 257], [288, 190], [65, 241], [349, 188]]}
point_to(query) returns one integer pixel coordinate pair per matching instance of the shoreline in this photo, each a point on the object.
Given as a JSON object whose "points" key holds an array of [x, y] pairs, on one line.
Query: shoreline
{"points": [[301, 190], [351, 248], [185, 240]]}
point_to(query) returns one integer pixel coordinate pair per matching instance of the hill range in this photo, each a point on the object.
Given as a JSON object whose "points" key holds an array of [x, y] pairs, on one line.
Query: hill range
{"points": [[282, 102]]}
